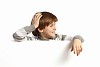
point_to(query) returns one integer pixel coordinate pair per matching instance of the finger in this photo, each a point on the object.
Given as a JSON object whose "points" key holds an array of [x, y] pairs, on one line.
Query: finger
{"points": [[37, 15], [71, 49], [78, 50], [81, 49], [74, 50]]}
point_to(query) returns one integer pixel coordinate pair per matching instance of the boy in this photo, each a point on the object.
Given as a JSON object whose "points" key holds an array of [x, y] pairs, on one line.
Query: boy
{"points": [[43, 28]]}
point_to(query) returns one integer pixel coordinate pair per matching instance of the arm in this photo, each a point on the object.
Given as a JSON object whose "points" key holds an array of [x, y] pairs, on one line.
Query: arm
{"points": [[76, 43], [76, 46], [22, 33], [70, 38]]}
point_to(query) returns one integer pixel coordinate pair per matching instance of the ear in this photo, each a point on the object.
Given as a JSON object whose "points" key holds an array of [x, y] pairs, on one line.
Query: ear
{"points": [[40, 30]]}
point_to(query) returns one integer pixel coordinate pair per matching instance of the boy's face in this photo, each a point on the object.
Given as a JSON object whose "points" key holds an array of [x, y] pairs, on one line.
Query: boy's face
{"points": [[49, 31]]}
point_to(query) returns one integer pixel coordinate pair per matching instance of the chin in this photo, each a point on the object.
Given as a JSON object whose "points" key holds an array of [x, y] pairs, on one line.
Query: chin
{"points": [[53, 36]]}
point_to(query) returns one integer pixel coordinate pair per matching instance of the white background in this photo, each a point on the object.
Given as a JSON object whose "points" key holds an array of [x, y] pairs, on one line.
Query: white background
{"points": [[75, 17]]}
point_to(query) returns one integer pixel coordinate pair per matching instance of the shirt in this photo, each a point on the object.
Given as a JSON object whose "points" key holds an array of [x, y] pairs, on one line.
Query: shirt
{"points": [[22, 35]]}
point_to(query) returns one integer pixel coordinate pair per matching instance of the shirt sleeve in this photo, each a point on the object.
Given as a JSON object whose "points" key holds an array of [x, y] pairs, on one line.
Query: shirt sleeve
{"points": [[22, 33], [70, 38]]}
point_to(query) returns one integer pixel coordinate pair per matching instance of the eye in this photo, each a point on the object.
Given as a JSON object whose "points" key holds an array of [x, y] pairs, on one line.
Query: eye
{"points": [[51, 25]]}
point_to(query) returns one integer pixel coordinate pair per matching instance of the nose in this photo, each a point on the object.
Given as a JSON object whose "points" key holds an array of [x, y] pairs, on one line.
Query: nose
{"points": [[54, 28]]}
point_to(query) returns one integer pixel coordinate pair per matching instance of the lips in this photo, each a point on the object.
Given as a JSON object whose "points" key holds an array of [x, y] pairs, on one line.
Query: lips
{"points": [[53, 32]]}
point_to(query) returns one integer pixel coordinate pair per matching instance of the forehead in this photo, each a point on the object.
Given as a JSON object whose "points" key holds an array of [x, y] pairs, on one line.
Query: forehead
{"points": [[52, 23]]}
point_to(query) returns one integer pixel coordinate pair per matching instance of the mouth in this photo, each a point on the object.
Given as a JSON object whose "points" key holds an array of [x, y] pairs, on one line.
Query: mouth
{"points": [[53, 32]]}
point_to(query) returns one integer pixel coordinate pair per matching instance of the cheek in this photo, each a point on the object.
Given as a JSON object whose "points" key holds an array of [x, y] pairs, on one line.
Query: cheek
{"points": [[48, 30]]}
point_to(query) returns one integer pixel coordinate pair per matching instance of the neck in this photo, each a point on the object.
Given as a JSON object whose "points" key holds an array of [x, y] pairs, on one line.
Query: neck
{"points": [[42, 37]]}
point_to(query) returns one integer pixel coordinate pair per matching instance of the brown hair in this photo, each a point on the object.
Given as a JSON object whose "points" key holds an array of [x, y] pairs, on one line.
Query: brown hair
{"points": [[46, 19]]}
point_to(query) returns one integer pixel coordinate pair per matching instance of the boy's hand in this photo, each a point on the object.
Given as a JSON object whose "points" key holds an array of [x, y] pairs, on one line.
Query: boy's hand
{"points": [[76, 46], [36, 18]]}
